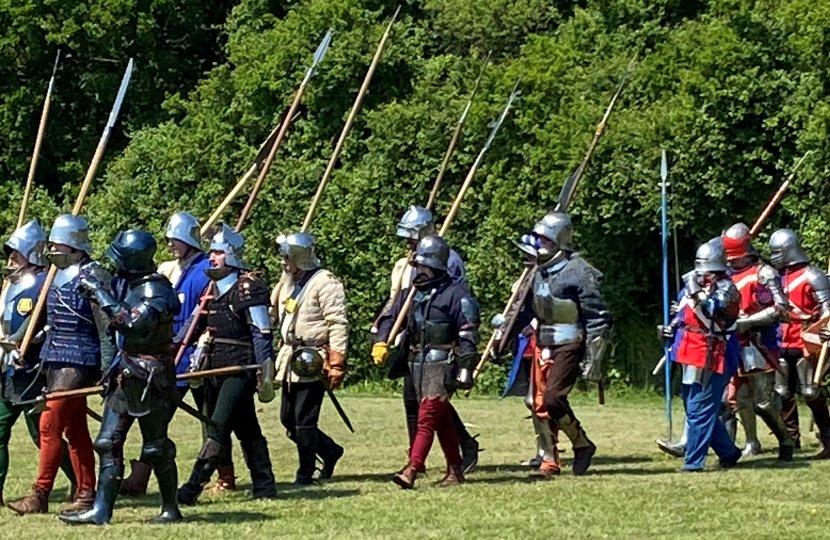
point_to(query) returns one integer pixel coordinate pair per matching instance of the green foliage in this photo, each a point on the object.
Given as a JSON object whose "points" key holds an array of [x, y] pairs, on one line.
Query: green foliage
{"points": [[736, 92]]}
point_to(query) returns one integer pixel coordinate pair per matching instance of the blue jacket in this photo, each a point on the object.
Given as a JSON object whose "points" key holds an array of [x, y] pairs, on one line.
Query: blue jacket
{"points": [[189, 287]]}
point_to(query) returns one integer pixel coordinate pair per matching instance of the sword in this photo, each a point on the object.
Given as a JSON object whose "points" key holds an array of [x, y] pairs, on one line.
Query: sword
{"points": [[195, 413], [337, 406]]}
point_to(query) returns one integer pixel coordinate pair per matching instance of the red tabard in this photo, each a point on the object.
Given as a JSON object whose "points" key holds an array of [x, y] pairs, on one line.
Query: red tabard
{"points": [[754, 296], [803, 306], [692, 347]]}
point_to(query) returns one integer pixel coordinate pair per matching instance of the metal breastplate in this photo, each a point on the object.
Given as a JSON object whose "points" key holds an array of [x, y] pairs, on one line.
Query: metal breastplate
{"points": [[156, 339], [73, 335], [431, 329], [20, 297], [558, 316]]}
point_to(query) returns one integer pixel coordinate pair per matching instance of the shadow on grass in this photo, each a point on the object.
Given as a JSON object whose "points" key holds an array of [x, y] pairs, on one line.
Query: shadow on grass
{"points": [[362, 477], [228, 517], [241, 494], [773, 463]]}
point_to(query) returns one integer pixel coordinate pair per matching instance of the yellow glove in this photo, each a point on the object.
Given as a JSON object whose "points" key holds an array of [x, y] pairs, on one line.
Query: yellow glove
{"points": [[379, 353]]}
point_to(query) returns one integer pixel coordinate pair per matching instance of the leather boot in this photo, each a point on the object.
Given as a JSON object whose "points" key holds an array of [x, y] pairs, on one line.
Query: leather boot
{"points": [[206, 463], [109, 481], [330, 452], [226, 480], [83, 500], [406, 478], [307, 439], [583, 448], [454, 477], [258, 460], [135, 485], [37, 502], [825, 449], [70, 495], [469, 453], [168, 479]]}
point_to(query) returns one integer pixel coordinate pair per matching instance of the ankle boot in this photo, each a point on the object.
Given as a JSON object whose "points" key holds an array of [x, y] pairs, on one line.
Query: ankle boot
{"points": [[406, 478], [109, 480], [454, 477], [37, 502], [226, 480], [82, 501], [135, 485]]}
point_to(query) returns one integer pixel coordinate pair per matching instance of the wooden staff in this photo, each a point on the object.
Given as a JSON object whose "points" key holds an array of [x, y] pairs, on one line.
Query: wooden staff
{"points": [[230, 370], [355, 107], [454, 208], [777, 197], [90, 174], [38, 141], [266, 166], [194, 322], [822, 358]]}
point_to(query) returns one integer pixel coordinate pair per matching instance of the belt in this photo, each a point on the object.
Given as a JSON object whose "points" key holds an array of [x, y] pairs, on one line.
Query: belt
{"points": [[231, 341], [704, 332], [418, 348]]}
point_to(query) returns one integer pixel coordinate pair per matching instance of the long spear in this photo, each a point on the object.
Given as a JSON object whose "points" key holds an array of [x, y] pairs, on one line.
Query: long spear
{"points": [[38, 141], [777, 197], [455, 134], [518, 297], [664, 233], [90, 174], [346, 128], [454, 208], [266, 166]]}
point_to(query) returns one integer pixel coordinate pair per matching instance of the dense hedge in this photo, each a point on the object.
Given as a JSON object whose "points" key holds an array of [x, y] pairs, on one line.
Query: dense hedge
{"points": [[736, 90]]}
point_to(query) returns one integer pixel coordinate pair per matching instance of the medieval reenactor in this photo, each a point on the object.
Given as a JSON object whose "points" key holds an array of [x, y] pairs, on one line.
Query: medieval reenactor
{"points": [[20, 378], [442, 334], [707, 350], [808, 291], [235, 332], [763, 304], [140, 383], [416, 224], [75, 348], [186, 273], [572, 330], [310, 307]]}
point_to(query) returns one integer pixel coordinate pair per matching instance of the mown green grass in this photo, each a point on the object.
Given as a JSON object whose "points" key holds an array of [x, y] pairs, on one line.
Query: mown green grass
{"points": [[633, 491]]}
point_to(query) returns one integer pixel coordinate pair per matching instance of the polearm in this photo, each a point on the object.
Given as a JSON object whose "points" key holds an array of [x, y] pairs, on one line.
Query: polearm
{"points": [[447, 155], [777, 197], [456, 203], [266, 166], [513, 307], [664, 235], [346, 128], [38, 141], [79, 202], [455, 134], [262, 153]]}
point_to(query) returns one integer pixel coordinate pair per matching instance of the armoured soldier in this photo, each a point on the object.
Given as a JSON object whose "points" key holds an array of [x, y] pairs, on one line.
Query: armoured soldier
{"points": [[20, 379], [75, 347], [310, 305], [442, 327], [809, 299], [235, 332], [415, 224], [141, 381], [572, 332], [763, 304], [708, 352], [186, 273]]}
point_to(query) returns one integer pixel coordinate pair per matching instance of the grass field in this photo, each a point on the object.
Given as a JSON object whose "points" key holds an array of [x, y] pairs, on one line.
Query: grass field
{"points": [[632, 491]]}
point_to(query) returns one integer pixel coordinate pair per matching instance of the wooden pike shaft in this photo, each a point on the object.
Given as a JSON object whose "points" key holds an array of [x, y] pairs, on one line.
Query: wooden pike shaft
{"points": [[214, 217], [79, 202], [447, 155], [38, 142], [776, 198], [194, 322], [492, 341], [266, 166], [355, 108]]}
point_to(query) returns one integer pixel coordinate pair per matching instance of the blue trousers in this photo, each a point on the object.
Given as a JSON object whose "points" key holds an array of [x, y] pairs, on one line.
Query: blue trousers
{"points": [[705, 428]]}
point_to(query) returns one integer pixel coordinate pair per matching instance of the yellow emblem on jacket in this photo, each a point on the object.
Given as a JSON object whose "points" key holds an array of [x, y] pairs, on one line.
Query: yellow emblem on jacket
{"points": [[24, 306], [290, 305]]}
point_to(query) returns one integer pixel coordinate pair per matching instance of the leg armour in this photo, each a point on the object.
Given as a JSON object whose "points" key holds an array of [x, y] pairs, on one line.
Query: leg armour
{"points": [[745, 408], [768, 406], [806, 387]]}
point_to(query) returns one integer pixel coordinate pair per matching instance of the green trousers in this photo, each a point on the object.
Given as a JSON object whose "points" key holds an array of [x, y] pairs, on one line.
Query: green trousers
{"points": [[9, 414]]}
